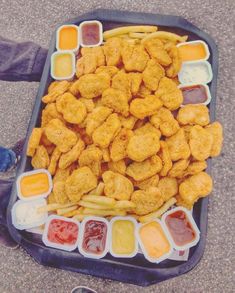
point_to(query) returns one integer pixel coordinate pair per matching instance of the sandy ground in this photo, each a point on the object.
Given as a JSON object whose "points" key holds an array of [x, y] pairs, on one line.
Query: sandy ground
{"points": [[34, 20]]}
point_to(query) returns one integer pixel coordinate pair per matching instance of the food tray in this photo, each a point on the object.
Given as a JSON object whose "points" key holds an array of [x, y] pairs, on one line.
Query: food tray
{"points": [[135, 270]]}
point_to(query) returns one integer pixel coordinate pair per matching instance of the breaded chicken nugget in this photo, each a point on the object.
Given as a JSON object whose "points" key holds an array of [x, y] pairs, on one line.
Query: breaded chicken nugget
{"points": [[134, 57], [216, 130], [195, 167], [193, 114], [117, 186], [168, 187], [54, 160], [119, 145], [71, 156], [152, 74], [91, 157], [112, 51], [60, 193], [142, 170], [34, 141], [147, 128], [58, 89], [40, 159], [176, 64], [178, 168], [111, 70], [127, 122], [50, 112], [164, 154], [149, 182], [121, 82], [156, 50], [118, 166]]}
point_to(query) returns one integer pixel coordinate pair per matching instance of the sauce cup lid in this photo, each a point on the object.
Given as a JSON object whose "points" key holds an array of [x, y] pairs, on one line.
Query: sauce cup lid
{"points": [[107, 242], [208, 92], [73, 58], [164, 256], [197, 42], [192, 222], [192, 64], [58, 37], [42, 195], [44, 215], [135, 251], [100, 32], [66, 247]]}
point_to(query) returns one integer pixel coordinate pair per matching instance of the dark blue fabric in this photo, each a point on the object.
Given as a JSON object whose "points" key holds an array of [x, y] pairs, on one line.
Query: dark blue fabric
{"points": [[7, 159], [21, 61]]}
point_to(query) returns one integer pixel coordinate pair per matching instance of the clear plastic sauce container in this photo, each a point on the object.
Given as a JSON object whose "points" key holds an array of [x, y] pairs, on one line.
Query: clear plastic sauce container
{"points": [[192, 51], [63, 65], [67, 38], [91, 33], [195, 94]]}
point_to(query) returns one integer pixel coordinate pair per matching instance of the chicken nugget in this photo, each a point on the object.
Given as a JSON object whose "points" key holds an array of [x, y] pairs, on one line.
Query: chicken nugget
{"points": [[147, 128], [135, 80], [91, 157], [112, 51], [134, 57], [117, 186], [127, 122], [141, 108], [58, 89], [147, 201], [96, 118], [142, 170], [106, 155], [168, 187], [194, 114], [119, 145], [89, 104], [92, 85], [200, 142], [143, 91], [141, 147], [61, 174], [40, 159], [54, 160], [60, 192], [86, 64], [176, 64], [194, 187], [164, 154], [118, 166], [216, 130], [116, 100], [105, 133], [178, 168], [71, 156], [169, 93], [34, 141], [156, 50], [121, 82], [60, 135], [80, 182], [152, 74], [178, 146], [195, 168], [149, 182], [50, 112], [97, 51]]}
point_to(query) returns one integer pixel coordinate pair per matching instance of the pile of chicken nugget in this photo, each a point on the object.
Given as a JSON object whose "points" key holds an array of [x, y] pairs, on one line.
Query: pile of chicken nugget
{"points": [[118, 131]]}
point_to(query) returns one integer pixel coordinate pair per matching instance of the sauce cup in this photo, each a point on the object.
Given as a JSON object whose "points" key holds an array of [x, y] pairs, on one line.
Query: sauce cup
{"points": [[67, 38], [191, 56], [63, 65], [206, 88], [98, 34]]}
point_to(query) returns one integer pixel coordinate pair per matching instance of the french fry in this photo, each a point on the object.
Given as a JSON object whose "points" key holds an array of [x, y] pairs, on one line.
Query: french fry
{"points": [[129, 29], [165, 35], [103, 213], [159, 212], [55, 206], [91, 205], [125, 204], [101, 200], [138, 35], [63, 211], [99, 190], [71, 213]]}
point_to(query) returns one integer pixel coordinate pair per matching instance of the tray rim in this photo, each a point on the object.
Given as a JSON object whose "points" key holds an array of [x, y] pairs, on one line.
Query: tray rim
{"points": [[136, 275]]}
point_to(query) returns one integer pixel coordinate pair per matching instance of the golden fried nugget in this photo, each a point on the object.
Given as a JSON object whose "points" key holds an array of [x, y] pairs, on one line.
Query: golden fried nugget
{"points": [[147, 128], [112, 51], [80, 182], [187, 129], [141, 147], [195, 167], [121, 82], [45, 141], [147, 201], [178, 146], [105, 133], [178, 168], [54, 160], [119, 145], [86, 64], [193, 114], [168, 187], [152, 74], [97, 51], [127, 122], [216, 130], [142, 170], [194, 187], [60, 135], [164, 154], [180, 202], [91, 157], [156, 50], [71, 156], [89, 104], [34, 141], [134, 57], [135, 80], [176, 64], [40, 159], [53, 85], [111, 70], [116, 100], [149, 182], [117, 186], [169, 93], [60, 193], [141, 108], [61, 174], [118, 166], [106, 155], [50, 112], [58, 89], [200, 142], [96, 118], [93, 85], [51, 198], [74, 89], [143, 91], [73, 110]]}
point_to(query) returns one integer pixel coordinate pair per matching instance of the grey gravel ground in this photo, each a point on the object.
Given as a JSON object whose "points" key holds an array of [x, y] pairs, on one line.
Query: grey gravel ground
{"points": [[34, 20]]}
